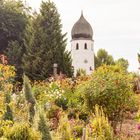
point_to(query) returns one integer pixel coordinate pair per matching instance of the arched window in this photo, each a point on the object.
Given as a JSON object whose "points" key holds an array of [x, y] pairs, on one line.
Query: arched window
{"points": [[77, 46], [85, 46]]}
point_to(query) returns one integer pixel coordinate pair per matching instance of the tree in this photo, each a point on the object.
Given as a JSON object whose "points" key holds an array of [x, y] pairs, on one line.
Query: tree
{"points": [[14, 52], [123, 63], [110, 87], [13, 17], [13, 22], [8, 115], [29, 98], [45, 45], [103, 58], [139, 58], [43, 128]]}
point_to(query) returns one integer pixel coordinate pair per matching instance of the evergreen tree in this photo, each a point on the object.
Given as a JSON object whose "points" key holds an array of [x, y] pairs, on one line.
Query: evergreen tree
{"points": [[29, 98], [14, 52], [45, 45], [8, 115], [43, 128]]}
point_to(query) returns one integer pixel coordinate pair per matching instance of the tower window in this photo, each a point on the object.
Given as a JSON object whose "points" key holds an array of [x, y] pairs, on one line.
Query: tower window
{"points": [[85, 46], [90, 68], [77, 46]]}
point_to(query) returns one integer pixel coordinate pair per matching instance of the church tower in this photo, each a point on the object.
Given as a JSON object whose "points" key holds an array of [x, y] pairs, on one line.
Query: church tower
{"points": [[82, 46]]}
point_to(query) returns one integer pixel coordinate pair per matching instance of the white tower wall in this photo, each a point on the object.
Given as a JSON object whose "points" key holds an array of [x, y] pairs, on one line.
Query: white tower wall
{"points": [[82, 55]]}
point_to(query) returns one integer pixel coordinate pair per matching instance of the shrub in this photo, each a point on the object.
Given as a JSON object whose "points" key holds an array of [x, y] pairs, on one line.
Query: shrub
{"points": [[110, 87], [101, 127], [64, 129], [21, 132], [43, 128], [78, 131], [29, 98]]}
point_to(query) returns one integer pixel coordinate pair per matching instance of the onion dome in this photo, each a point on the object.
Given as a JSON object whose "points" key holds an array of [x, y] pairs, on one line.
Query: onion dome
{"points": [[82, 29]]}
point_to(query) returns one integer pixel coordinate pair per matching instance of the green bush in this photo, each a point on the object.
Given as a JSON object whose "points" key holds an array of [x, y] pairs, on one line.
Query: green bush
{"points": [[78, 131], [21, 131], [110, 87]]}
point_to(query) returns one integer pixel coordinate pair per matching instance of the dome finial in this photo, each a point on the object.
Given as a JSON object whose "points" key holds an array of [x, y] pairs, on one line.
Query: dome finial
{"points": [[81, 12]]}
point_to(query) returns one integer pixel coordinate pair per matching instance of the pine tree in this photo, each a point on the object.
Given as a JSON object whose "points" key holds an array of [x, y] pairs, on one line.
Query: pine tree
{"points": [[43, 128], [46, 45], [14, 52], [29, 98]]}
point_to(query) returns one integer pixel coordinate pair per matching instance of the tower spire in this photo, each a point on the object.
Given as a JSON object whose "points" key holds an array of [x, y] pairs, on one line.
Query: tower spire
{"points": [[81, 12]]}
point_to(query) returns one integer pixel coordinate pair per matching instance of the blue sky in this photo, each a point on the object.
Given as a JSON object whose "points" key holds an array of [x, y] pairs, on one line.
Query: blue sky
{"points": [[116, 24]]}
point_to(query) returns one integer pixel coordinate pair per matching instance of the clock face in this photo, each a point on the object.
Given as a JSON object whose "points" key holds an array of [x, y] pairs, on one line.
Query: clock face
{"points": [[85, 61]]}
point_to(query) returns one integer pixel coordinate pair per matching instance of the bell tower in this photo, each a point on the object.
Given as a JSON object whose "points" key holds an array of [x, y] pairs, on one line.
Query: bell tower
{"points": [[82, 46]]}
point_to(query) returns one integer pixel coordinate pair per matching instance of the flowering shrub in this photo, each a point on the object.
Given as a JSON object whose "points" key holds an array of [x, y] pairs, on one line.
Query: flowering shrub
{"points": [[111, 88], [6, 77], [45, 92]]}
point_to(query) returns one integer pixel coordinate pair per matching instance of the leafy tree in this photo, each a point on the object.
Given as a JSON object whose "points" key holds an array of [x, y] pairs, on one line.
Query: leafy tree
{"points": [[103, 58], [45, 45], [123, 63], [13, 22], [43, 128], [29, 98], [13, 17], [110, 87]]}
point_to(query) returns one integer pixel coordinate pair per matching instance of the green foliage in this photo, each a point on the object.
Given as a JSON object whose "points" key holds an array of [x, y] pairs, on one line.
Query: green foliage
{"points": [[64, 129], [62, 102], [138, 56], [21, 131], [103, 58], [123, 63], [78, 131], [8, 115], [111, 88], [52, 112], [29, 98], [14, 52], [43, 128], [14, 18], [13, 21], [101, 127], [81, 72], [45, 45]]}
